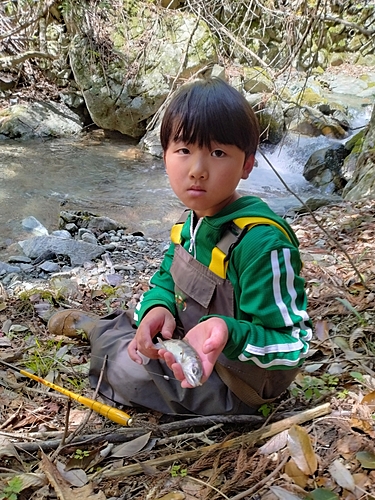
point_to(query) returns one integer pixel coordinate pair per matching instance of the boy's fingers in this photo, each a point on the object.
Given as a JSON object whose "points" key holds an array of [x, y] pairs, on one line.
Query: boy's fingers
{"points": [[133, 354], [168, 327]]}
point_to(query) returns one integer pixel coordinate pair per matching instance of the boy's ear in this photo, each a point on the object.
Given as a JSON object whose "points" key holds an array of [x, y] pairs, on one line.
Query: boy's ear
{"points": [[248, 166]]}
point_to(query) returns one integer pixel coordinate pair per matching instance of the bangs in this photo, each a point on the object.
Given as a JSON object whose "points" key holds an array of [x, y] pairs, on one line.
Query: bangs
{"points": [[208, 111], [202, 128]]}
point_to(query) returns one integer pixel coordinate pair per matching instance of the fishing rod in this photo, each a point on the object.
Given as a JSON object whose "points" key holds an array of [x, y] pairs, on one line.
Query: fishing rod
{"points": [[114, 414]]}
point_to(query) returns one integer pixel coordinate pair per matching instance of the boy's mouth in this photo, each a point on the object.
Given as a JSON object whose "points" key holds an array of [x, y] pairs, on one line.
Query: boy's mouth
{"points": [[196, 188]]}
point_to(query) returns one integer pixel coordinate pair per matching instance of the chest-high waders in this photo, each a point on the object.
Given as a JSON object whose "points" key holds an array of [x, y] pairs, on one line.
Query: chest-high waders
{"points": [[233, 387]]}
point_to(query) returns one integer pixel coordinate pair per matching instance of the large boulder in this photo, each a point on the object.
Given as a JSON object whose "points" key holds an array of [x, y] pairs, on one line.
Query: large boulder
{"points": [[39, 119], [362, 182], [323, 168], [126, 80]]}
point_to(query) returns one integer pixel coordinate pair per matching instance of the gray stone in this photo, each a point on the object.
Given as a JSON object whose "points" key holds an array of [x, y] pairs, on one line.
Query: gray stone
{"points": [[7, 268], [62, 233], [49, 267], [78, 251], [40, 119], [20, 259]]}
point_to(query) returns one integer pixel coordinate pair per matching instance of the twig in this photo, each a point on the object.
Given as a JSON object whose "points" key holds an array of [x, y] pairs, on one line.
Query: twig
{"points": [[250, 438], [11, 418], [131, 433], [208, 485], [189, 435], [261, 483]]}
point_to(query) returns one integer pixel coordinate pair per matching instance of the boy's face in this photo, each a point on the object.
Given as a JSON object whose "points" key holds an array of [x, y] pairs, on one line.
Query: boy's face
{"points": [[205, 179]]}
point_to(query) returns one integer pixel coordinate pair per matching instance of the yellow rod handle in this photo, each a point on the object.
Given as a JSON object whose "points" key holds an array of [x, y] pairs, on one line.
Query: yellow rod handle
{"points": [[114, 414]]}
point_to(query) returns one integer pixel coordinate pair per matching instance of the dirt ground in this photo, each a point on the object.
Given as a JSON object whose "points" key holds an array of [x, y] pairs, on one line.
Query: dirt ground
{"points": [[316, 441]]}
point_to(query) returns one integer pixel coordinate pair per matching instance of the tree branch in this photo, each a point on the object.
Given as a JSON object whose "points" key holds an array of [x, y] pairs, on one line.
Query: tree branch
{"points": [[11, 61]]}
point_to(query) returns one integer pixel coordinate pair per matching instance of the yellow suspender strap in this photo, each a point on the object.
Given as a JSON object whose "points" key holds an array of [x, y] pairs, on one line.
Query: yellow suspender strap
{"points": [[176, 233], [177, 228], [219, 260]]}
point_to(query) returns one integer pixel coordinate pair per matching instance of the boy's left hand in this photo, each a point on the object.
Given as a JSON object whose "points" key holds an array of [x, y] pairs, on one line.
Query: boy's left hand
{"points": [[208, 339]]}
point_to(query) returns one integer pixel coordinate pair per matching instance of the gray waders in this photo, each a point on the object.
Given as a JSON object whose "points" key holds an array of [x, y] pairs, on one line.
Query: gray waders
{"points": [[234, 387]]}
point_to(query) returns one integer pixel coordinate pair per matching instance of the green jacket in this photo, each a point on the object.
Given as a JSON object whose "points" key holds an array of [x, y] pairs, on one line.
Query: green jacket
{"points": [[271, 327]]}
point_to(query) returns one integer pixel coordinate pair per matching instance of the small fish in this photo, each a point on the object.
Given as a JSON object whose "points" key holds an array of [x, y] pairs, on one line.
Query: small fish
{"points": [[186, 356]]}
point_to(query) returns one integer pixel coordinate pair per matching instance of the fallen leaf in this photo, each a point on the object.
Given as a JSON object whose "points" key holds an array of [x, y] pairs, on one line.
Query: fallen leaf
{"points": [[283, 494], [295, 474], [75, 477], [322, 330], [173, 495], [132, 447], [277, 443], [322, 494], [366, 459], [341, 475], [301, 450], [7, 449], [62, 488], [369, 399]]}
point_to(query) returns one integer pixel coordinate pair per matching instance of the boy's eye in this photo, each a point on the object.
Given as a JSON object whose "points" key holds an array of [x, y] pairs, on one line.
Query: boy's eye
{"points": [[218, 153], [184, 151]]}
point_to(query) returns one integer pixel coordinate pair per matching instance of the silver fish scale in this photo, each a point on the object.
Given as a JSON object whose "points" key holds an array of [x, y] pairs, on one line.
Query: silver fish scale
{"points": [[186, 356]]}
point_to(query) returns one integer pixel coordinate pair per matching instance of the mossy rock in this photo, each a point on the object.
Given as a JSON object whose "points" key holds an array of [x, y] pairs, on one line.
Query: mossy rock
{"points": [[256, 80], [309, 97]]}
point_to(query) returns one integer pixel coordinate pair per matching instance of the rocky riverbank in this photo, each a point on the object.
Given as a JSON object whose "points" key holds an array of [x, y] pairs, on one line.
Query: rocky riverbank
{"points": [[100, 261]]}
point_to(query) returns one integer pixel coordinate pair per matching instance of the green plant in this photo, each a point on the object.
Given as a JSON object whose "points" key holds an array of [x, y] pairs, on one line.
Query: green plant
{"points": [[265, 409], [177, 470], [38, 362], [10, 492], [82, 334], [81, 454], [314, 387]]}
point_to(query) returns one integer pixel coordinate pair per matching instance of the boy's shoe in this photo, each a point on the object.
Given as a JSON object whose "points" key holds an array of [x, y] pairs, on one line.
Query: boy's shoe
{"points": [[72, 323]]}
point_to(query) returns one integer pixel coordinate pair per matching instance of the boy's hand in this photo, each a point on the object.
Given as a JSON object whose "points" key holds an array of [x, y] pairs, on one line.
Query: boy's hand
{"points": [[208, 339], [157, 321]]}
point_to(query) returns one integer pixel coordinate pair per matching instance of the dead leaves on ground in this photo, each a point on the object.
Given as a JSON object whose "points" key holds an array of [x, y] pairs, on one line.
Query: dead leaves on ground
{"points": [[332, 458]]}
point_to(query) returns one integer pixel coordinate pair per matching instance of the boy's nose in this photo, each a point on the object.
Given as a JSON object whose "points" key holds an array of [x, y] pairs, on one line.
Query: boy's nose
{"points": [[198, 169]]}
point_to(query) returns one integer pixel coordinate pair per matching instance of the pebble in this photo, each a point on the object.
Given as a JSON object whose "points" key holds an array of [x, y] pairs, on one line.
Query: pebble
{"points": [[127, 264]]}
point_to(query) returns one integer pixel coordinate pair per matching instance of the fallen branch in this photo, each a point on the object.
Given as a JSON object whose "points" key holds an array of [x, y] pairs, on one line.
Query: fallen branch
{"points": [[250, 438], [127, 434], [11, 61]]}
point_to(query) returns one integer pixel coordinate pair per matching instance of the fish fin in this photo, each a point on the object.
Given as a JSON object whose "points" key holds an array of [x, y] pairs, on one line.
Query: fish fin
{"points": [[160, 344]]}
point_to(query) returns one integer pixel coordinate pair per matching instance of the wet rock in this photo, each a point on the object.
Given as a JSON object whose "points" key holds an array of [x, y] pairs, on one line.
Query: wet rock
{"points": [[323, 168]]}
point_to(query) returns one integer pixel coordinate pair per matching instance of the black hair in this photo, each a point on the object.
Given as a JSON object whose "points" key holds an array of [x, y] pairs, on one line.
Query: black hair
{"points": [[210, 110]]}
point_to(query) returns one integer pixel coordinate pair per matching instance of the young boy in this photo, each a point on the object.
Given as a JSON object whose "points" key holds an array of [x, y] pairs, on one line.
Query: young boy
{"points": [[229, 283]]}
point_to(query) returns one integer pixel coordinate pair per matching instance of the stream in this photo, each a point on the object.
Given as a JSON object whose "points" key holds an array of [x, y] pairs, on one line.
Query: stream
{"points": [[112, 177]]}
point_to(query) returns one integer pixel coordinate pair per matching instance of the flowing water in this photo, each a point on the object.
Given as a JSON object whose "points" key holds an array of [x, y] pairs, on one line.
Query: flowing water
{"points": [[113, 178]]}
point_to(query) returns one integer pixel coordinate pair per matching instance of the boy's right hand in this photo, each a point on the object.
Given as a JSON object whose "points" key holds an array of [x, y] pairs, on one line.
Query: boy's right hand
{"points": [[158, 320]]}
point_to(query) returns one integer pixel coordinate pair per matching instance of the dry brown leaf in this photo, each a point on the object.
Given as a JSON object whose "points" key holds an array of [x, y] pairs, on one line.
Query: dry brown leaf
{"points": [[369, 399], [295, 474], [173, 495], [301, 450], [364, 425], [62, 488], [322, 329]]}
